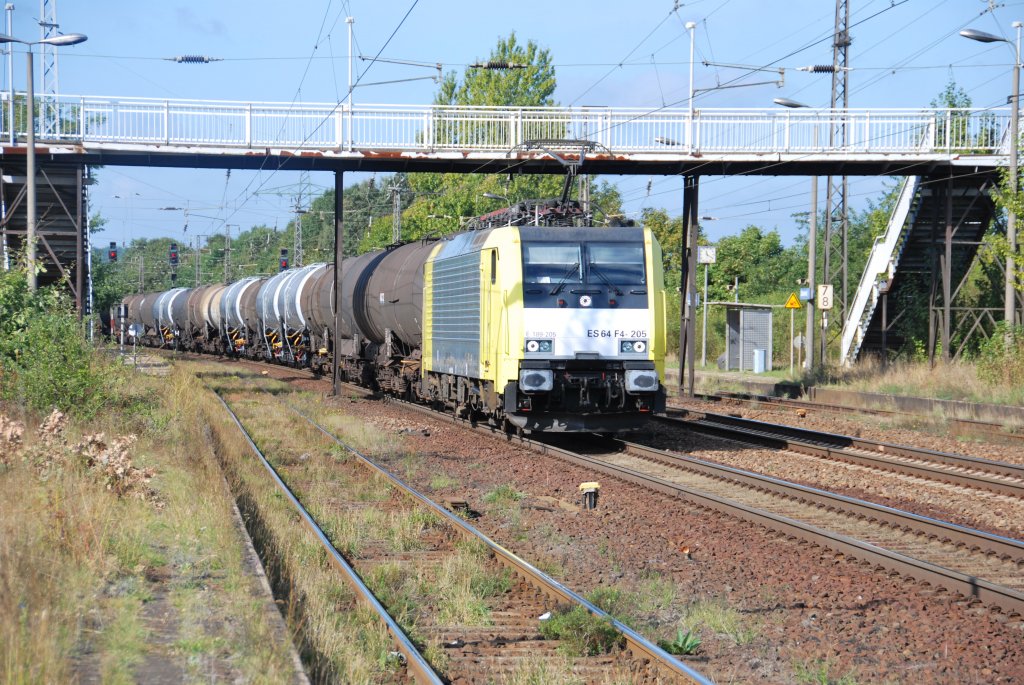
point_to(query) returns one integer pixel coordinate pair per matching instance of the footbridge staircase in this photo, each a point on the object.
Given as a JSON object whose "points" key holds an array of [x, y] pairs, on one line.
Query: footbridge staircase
{"points": [[932, 239]]}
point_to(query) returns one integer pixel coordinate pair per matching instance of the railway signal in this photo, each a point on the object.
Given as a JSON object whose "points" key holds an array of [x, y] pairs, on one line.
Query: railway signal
{"points": [[173, 255], [112, 252], [284, 259]]}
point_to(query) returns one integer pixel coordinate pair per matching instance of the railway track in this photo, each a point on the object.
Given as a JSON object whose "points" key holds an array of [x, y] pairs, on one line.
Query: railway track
{"points": [[956, 426], [993, 476], [506, 644], [974, 564]]}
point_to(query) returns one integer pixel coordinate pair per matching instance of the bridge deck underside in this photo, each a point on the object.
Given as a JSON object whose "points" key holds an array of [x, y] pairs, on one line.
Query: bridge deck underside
{"points": [[387, 161]]}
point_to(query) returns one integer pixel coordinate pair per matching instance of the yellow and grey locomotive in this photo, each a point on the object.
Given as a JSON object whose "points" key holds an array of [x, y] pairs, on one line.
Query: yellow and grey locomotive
{"points": [[529, 320]]}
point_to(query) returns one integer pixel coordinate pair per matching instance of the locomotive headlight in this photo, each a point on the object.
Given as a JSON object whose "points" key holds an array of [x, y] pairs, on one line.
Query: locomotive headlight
{"points": [[536, 380], [633, 346], [539, 346], [641, 380]]}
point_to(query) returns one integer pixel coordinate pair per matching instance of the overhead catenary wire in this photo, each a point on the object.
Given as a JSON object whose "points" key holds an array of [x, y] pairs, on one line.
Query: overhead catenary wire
{"points": [[318, 56], [330, 114], [635, 48], [860, 21]]}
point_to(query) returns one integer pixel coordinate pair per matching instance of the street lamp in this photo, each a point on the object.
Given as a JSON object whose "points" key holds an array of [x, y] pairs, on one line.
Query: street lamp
{"points": [[30, 143], [495, 196], [786, 102], [812, 250], [1010, 295]]}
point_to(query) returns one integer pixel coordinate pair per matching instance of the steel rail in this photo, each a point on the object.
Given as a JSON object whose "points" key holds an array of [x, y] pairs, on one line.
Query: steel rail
{"points": [[974, 426], [988, 543], [415, 662], [638, 645], [967, 585], [995, 476]]}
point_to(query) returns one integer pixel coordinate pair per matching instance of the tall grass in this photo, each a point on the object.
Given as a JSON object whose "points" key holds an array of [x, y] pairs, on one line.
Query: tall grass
{"points": [[78, 562], [339, 640], [954, 380]]}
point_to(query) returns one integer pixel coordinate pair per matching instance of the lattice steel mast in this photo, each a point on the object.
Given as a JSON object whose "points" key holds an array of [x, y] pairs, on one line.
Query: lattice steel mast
{"points": [[48, 81], [298, 252], [836, 218]]}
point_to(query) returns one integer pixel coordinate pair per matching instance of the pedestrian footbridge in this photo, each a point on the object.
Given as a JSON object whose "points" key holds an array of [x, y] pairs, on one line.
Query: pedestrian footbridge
{"points": [[957, 149], [607, 140]]}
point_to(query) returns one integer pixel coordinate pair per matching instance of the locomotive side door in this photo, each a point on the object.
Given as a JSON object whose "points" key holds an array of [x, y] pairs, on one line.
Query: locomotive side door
{"points": [[490, 324]]}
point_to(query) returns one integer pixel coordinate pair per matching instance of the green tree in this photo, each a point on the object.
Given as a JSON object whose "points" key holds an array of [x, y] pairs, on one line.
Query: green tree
{"points": [[531, 85], [442, 203], [954, 129], [1008, 198], [764, 266]]}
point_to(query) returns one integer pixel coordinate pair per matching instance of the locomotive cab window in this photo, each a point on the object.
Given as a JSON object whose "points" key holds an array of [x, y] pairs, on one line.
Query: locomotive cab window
{"points": [[552, 263], [618, 263]]}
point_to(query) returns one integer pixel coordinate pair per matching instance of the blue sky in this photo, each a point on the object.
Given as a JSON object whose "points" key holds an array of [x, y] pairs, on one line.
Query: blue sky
{"points": [[606, 53]]}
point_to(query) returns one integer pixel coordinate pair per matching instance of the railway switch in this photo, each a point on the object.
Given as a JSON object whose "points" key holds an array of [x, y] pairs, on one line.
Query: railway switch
{"points": [[589, 494]]}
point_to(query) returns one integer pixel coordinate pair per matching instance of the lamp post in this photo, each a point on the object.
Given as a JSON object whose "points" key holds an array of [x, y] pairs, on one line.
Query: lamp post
{"points": [[30, 143], [1010, 295], [812, 248]]}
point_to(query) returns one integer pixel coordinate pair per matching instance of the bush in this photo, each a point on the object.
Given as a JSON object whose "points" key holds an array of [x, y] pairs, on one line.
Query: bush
{"points": [[1001, 359], [45, 360]]}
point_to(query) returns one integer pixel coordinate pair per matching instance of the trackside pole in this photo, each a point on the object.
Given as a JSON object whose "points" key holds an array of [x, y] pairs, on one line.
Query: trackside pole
{"points": [[688, 291], [339, 252], [792, 315]]}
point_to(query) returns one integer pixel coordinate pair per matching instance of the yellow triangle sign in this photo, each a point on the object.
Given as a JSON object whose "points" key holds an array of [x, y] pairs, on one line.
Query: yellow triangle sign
{"points": [[793, 302]]}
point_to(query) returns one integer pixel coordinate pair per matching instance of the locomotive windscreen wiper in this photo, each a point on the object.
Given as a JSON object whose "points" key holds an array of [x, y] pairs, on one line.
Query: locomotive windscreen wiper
{"points": [[592, 267], [561, 284]]}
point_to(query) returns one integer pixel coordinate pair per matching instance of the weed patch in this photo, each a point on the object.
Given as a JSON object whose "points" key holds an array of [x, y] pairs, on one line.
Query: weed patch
{"points": [[503, 496], [720, 619], [580, 632], [820, 672]]}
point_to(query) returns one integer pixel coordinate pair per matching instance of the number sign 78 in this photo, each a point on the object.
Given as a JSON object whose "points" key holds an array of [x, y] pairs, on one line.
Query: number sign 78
{"points": [[824, 297]]}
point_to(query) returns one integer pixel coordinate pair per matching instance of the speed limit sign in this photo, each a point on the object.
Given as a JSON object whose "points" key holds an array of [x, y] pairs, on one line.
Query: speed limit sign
{"points": [[824, 297]]}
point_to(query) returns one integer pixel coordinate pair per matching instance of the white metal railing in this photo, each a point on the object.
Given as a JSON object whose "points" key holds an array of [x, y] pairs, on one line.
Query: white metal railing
{"points": [[497, 130]]}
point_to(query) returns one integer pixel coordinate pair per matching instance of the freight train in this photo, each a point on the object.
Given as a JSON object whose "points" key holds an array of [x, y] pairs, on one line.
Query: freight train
{"points": [[531, 320]]}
